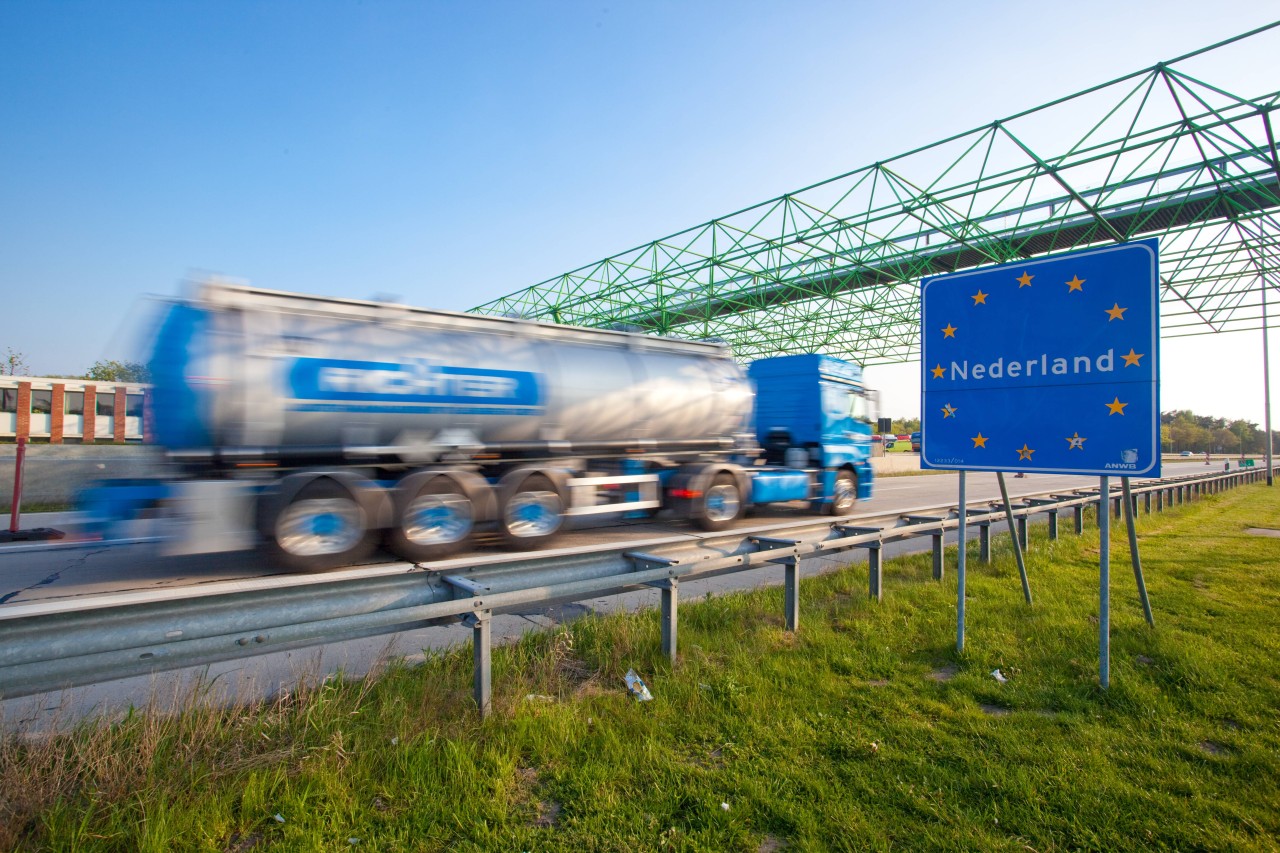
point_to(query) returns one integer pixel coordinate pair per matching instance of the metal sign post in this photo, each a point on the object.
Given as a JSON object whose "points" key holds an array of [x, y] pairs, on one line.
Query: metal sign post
{"points": [[1104, 582], [960, 567], [1046, 365], [1133, 550], [1013, 534]]}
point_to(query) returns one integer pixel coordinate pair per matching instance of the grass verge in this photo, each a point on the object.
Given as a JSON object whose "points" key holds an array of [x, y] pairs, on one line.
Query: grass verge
{"points": [[864, 730]]}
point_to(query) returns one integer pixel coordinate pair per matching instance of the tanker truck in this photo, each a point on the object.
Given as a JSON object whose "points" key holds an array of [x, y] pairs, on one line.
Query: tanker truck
{"points": [[319, 428]]}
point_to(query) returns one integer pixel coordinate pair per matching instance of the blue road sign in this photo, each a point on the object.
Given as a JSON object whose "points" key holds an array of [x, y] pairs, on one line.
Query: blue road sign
{"points": [[1048, 365]]}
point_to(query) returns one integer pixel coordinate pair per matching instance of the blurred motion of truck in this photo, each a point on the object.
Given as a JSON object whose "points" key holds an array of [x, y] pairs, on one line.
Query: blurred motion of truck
{"points": [[318, 427]]}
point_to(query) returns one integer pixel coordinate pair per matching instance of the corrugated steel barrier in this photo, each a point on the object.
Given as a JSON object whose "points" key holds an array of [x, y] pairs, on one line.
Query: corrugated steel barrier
{"points": [[52, 645]]}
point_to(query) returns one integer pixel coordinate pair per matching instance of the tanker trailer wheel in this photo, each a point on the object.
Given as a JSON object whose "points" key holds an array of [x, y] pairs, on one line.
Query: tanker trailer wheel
{"points": [[845, 494], [433, 524], [321, 528], [721, 505], [532, 513]]}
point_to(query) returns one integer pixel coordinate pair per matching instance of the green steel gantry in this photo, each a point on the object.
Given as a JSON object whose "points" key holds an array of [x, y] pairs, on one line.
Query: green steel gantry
{"points": [[835, 267]]}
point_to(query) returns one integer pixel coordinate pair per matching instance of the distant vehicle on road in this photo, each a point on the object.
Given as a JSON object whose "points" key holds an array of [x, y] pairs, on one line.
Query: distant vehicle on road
{"points": [[1185, 453], [915, 442]]}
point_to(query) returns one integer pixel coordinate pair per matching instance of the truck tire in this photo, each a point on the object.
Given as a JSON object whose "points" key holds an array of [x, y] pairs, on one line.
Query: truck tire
{"points": [[721, 505], [433, 523], [845, 495], [532, 512], [324, 526]]}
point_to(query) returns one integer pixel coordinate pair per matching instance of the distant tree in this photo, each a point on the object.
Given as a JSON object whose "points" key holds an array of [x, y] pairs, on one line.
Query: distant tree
{"points": [[1225, 441], [903, 426], [15, 363], [118, 371], [1189, 435]]}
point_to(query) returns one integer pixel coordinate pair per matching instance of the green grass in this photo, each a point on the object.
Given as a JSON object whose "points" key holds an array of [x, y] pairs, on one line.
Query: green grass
{"points": [[37, 506], [865, 730]]}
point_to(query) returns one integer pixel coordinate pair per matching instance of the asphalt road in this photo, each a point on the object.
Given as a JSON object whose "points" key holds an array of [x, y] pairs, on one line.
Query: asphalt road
{"points": [[40, 572]]}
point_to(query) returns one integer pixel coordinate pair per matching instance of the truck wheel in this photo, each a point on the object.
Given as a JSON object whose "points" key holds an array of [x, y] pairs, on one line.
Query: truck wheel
{"points": [[845, 495], [322, 527], [532, 513], [433, 524], [721, 505]]}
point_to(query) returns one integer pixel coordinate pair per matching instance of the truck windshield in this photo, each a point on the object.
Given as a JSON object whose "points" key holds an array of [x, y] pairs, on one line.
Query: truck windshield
{"points": [[860, 407], [842, 401]]}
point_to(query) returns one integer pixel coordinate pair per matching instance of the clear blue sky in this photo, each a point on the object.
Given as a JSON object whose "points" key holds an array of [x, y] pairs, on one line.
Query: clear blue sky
{"points": [[450, 153]]}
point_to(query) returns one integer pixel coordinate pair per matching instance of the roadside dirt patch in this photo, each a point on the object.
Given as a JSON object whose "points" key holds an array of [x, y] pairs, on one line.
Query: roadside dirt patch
{"points": [[1213, 748], [944, 673]]}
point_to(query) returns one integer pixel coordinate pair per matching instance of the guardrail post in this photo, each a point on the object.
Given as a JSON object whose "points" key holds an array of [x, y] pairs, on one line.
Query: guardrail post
{"points": [[1053, 524], [875, 572], [790, 576], [791, 587], [875, 569], [984, 541], [1022, 531], [1079, 508], [670, 616], [1146, 503], [938, 569], [482, 677]]}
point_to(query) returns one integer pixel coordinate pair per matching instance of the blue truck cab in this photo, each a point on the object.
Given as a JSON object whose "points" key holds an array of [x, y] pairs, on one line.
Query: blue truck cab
{"points": [[813, 413]]}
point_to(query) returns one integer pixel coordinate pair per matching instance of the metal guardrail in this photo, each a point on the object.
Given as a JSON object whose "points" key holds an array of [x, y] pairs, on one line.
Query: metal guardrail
{"points": [[52, 645]]}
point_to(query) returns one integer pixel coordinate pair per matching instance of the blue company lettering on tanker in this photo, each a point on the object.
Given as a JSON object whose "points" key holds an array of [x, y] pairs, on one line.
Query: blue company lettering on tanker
{"points": [[1047, 365], [332, 385]]}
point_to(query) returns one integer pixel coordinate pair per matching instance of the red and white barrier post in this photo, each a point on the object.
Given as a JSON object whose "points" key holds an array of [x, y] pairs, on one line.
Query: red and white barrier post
{"points": [[17, 484]]}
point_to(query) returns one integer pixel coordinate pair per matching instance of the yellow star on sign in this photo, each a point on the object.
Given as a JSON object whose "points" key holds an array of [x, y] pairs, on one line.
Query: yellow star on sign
{"points": [[980, 298], [1116, 407], [949, 331], [1133, 358], [1075, 442], [1075, 283], [979, 440], [1025, 452], [1116, 312], [1024, 280], [949, 411], [938, 372]]}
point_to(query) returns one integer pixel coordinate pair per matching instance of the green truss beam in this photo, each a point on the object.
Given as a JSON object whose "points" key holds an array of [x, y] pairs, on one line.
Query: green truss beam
{"points": [[835, 267]]}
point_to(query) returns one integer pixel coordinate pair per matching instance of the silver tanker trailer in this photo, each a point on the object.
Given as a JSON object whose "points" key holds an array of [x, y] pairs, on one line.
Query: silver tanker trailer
{"points": [[316, 427]]}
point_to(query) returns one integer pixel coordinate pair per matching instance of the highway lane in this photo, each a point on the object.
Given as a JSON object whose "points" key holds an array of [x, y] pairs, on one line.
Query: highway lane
{"points": [[34, 573]]}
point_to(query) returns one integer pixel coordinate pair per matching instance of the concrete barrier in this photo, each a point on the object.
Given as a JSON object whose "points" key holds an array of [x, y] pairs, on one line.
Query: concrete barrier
{"points": [[895, 463], [54, 472]]}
